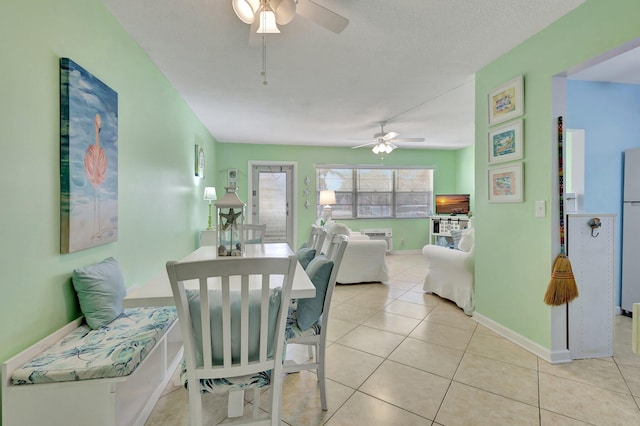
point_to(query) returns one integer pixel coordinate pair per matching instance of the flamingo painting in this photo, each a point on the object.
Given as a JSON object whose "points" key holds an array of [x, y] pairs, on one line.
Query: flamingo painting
{"points": [[95, 165], [88, 159]]}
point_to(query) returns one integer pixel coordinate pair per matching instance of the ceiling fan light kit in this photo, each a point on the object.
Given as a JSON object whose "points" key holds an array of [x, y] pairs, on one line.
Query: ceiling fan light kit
{"points": [[245, 9], [268, 22]]}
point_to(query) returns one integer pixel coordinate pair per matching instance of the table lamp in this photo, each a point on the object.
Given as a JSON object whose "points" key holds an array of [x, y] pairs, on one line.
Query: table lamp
{"points": [[210, 195], [327, 197]]}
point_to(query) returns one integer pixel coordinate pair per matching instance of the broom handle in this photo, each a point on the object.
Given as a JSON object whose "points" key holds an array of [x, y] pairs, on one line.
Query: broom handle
{"points": [[561, 183]]}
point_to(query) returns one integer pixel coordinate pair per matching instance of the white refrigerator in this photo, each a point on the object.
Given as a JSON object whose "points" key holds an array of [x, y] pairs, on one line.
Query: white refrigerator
{"points": [[631, 231]]}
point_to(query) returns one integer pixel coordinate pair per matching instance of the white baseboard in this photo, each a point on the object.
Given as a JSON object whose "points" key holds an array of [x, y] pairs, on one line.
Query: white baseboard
{"points": [[617, 310], [553, 357]]}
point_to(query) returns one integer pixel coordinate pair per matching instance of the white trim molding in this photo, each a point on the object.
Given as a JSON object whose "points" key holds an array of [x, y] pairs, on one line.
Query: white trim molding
{"points": [[553, 357]]}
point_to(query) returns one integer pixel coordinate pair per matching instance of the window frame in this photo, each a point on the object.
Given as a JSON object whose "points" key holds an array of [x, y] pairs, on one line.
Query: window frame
{"points": [[355, 192]]}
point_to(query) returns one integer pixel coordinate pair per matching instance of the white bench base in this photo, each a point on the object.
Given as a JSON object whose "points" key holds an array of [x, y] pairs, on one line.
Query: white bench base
{"points": [[118, 401]]}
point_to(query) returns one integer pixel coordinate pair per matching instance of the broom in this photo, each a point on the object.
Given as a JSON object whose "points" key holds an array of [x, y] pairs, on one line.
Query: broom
{"points": [[562, 286]]}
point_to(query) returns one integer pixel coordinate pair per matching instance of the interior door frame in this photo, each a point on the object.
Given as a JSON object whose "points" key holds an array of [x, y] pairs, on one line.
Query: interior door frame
{"points": [[294, 192]]}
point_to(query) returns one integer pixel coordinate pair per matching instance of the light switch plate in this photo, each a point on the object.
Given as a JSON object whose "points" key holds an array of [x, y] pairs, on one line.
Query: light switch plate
{"points": [[541, 208]]}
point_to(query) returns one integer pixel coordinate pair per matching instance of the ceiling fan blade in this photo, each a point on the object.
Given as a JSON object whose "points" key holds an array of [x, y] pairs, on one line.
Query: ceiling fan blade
{"points": [[409, 140], [364, 144], [285, 10], [389, 136], [322, 16]]}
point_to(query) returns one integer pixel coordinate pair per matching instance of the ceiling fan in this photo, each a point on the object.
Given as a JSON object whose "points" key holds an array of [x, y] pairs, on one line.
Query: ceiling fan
{"points": [[264, 16], [383, 142]]}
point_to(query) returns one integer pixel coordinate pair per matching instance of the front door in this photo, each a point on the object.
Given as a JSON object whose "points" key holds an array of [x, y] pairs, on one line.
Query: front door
{"points": [[272, 200]]}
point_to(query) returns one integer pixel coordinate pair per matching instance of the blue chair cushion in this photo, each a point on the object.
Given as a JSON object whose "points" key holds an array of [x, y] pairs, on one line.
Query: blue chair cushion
{"points": [[215, 307], [305, 255], [309, 310]]}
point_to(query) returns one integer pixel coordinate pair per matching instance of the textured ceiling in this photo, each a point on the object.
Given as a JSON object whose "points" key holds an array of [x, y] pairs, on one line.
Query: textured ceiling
{"points": [[408, 62]]}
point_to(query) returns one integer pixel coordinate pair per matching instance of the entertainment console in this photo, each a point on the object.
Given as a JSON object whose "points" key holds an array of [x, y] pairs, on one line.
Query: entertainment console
{"points": [[441, 226]]}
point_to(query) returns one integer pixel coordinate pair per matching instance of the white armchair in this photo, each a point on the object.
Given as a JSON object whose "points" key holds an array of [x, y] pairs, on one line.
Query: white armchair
{"points": [[364, 259], [450, 272]]}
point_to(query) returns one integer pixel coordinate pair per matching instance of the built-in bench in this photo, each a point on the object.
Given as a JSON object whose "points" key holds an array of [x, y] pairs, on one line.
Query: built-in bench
{"points": [[113, 375]]}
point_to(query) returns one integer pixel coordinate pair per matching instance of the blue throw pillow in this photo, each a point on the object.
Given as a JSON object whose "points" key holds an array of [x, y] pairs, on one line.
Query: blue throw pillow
{"points": [[455, 236], [215, 308], [309, 310], [100, 289], [305, 255]]}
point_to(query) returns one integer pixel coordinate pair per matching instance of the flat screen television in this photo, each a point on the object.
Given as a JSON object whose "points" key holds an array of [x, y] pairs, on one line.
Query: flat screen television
{"points": [[452, 204]]}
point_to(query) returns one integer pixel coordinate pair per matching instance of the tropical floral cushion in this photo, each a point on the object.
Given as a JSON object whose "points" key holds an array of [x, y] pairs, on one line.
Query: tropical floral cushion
{"points": [[293, 331], [114, 350], [257, 380]]}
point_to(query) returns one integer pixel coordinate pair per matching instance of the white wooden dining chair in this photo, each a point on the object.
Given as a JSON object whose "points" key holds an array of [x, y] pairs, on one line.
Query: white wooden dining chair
{"points": [[254, 233], [315, 335], [232, 319], [317, 237]]}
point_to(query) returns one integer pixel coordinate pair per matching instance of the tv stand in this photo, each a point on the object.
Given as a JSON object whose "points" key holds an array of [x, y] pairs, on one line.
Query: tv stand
{"points": [[441, 226]]}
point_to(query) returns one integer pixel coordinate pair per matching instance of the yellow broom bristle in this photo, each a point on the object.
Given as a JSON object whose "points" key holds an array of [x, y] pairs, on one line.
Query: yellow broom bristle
{"points": [[562, 287]]}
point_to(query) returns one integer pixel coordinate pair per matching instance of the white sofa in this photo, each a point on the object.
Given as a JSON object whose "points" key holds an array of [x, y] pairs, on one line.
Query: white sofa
{"points": [[363, 260], [450, 271]]}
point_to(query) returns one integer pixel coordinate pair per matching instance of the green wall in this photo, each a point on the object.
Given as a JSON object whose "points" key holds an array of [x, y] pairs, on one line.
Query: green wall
{"points": [[515, 250], [414, 232], [160, 202], [465, 177]]}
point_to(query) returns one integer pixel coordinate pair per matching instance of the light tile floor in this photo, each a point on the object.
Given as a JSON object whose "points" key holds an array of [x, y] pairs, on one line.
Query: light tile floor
{"points": [[401, 357]]}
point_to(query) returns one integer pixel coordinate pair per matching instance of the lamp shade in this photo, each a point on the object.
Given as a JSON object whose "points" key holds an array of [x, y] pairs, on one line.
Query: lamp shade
{"points": [[245, 9], [210, 193], [230, 199], [268, 22], [327, 197]]}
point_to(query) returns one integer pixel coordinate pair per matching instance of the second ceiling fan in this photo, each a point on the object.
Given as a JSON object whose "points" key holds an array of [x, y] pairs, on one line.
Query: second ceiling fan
{"points": [[383, 141]]}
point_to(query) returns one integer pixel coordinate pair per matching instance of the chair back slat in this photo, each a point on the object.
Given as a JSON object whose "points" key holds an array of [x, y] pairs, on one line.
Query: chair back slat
{"points": [[205, 322], [226, 323], [244, 321], [264, 318]]}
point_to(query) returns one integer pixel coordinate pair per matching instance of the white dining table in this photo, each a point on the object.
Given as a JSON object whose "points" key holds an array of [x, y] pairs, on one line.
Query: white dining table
{"points": [[157, 291]]}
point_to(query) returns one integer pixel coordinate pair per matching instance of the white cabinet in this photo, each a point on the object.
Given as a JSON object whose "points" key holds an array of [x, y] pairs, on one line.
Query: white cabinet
{"points": [[208, 237], [591, 253], [441, 226]]}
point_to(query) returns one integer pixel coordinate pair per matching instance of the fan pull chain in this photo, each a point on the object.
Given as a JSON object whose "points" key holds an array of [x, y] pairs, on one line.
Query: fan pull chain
{"points": [[264, 60]]}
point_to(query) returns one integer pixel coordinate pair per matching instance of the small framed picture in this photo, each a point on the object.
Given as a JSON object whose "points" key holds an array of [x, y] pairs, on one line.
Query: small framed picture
{"points": [[506, 143], [232, 177], [199, 162], [507, 101], [506, 184]]}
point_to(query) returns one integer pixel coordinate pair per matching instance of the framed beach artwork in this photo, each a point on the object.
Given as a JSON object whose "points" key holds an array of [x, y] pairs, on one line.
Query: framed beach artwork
{"points": [[506, 143], [88, 160], [506, 184], [507, 101], [199, 162]]}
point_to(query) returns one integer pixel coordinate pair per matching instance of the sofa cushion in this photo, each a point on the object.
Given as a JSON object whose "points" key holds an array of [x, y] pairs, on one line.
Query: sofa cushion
{"points": [[338, 228], [100, 289], [466, 241], [309, 310]]}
